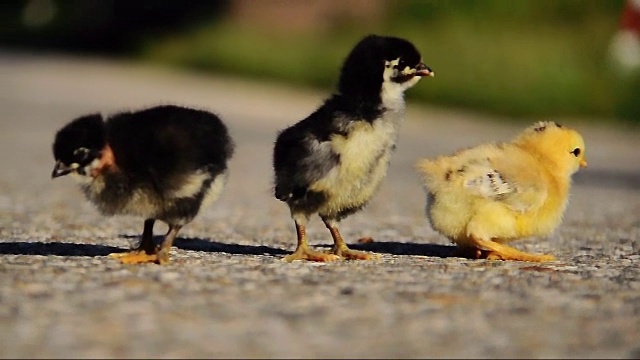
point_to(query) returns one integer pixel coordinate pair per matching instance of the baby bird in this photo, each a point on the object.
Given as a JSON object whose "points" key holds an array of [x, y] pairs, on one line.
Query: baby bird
{"points": [[485, 196], [163, 163], [333, 161]]}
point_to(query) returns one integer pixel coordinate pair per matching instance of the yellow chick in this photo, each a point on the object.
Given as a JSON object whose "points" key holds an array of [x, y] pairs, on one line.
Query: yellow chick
{"points": [[487, 195]]}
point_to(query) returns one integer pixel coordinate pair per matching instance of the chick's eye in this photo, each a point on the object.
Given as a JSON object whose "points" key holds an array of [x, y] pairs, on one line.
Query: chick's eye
{"points": [[81, 152], [576, 152]]}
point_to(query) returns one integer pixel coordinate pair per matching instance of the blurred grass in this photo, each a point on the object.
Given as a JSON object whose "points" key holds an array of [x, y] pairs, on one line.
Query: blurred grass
{"points": [[525, 58]]}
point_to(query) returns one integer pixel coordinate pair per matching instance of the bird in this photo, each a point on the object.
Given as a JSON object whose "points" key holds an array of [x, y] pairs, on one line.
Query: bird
{"points": [[161, 163], [332, 162], [484, 196]]}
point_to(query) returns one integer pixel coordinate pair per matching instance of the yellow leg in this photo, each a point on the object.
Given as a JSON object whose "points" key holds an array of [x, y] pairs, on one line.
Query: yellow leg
{"points": [[303, 252], [341, 249], [165, 248], [492, 250]]}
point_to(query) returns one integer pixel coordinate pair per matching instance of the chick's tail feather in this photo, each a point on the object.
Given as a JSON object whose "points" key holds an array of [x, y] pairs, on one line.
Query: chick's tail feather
{"points": [[428, 170]]}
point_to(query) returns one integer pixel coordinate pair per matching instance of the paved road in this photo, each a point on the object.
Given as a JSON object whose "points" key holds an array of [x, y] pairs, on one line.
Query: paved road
{"points": [[227, 294]]}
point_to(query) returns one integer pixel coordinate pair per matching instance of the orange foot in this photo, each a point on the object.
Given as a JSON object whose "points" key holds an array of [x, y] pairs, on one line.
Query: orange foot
{"points": [[348, 254], [492, 250], [136, 257], [519, 256], [504, 252], [304, 253]]}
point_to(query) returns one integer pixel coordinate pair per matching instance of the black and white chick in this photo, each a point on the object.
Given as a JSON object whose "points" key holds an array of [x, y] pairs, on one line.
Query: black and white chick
{"points": [[163, 163], [332, 162]]}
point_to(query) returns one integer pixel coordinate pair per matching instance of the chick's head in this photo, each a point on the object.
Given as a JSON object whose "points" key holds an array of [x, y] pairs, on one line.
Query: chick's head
{"points": [[78, 146], [379, 59], [561, 147]]}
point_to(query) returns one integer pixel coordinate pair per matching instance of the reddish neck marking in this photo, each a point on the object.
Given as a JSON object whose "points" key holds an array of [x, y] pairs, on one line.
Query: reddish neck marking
{"points": [[107, 162]]}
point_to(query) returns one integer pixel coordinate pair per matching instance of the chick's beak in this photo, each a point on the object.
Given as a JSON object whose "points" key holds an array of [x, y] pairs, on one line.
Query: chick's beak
{"points": [[424, 70], [583, 163], [61, 169]]}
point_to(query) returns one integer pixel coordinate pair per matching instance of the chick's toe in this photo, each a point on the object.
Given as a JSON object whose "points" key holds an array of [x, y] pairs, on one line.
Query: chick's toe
{"points": [[304, 253], [518, 256], [492, 250], [348, 254], [341, 249], [135, 257]]}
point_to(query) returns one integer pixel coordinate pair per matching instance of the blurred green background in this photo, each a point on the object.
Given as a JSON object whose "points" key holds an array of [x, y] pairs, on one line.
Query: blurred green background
{"points": [[522, 58]]}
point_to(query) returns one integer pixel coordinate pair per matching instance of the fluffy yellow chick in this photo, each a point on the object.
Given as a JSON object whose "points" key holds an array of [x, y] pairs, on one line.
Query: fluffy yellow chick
{"points": [[487, 195]]}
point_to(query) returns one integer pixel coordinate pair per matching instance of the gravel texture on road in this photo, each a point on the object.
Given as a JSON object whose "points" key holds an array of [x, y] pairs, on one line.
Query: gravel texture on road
{"points": [[228, 294]]}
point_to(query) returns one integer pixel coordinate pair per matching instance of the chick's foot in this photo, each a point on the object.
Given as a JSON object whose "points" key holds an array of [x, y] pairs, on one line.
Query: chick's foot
{"points": [[340, 247], [491, 250], [517, 255], [348, 254], [135, 257], [145, 252], [304, 253]]}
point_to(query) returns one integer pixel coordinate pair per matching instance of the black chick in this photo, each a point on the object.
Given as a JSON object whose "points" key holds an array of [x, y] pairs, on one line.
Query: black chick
{"points": [[333, 161], [163, 163]]}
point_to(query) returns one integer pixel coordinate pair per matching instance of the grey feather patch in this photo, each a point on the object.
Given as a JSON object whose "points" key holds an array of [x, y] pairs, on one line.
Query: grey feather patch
{"points": [[540, 128], [491, 184], [542, 125], [319, 162]]}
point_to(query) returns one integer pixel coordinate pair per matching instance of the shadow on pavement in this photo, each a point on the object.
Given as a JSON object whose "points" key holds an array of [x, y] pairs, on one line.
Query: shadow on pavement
{"points": [[197, 244], [384, 247], [404, 248], [56, 248]]}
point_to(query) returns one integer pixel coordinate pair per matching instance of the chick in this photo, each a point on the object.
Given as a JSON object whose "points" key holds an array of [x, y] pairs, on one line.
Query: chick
{"points": [[163, 163], [485, 196], [333, 161]]}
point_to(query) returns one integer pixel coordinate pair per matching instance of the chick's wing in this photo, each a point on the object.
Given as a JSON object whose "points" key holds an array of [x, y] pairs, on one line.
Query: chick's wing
{"points": [[301, 159], [503, 174]]}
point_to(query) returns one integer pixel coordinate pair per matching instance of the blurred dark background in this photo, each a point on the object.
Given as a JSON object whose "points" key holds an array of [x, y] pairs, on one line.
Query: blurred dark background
{"points": [[103, 26], [522, 59]]}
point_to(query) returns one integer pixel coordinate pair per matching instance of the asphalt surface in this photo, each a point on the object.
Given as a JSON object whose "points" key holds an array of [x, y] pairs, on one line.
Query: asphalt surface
{"points": [[228, 294]]}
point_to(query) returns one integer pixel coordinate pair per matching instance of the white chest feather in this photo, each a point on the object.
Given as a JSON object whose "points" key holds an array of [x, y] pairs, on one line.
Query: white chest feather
{"points": [[364, 159]]}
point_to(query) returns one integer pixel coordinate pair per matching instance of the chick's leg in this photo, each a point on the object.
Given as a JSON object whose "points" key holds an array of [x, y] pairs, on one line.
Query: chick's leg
{"points": [[144, 252], [494, 222], [492, 250], [163, 252], [340, 248], [303, 252]]}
